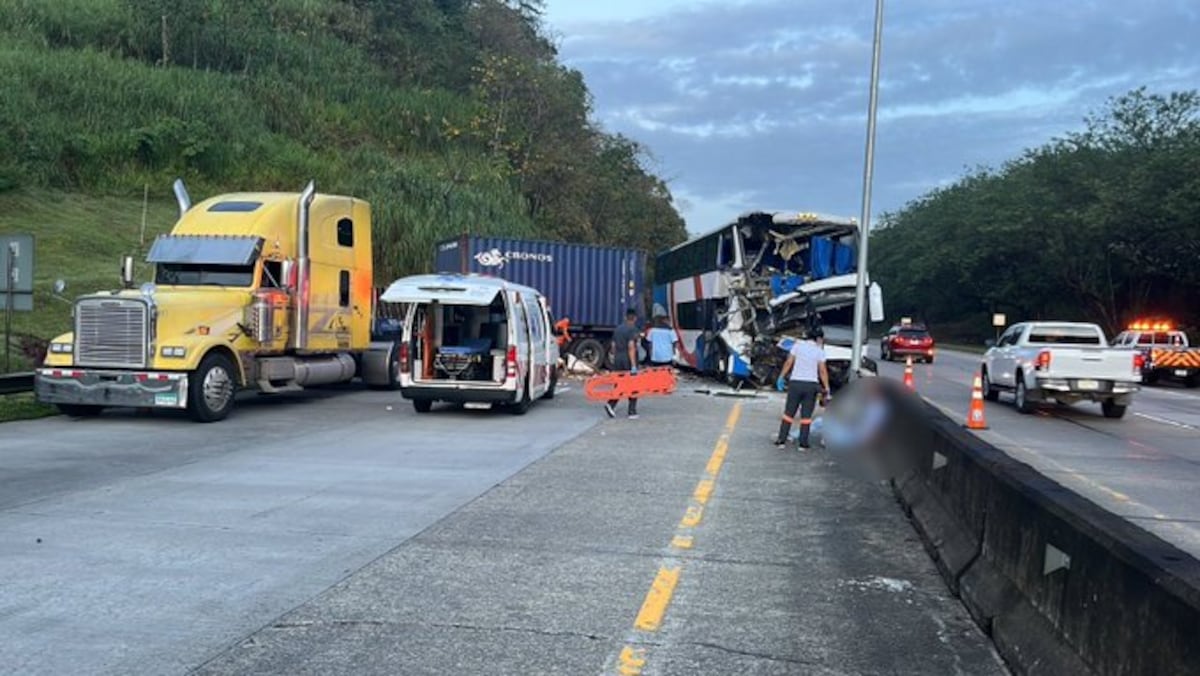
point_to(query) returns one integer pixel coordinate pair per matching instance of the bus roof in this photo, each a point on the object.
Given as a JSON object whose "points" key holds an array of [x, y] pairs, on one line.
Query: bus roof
{"points": [[821, 223]]}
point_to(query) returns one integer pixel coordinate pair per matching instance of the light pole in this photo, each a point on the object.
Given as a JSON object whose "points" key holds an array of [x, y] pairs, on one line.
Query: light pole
{"points": [[864, 223]]}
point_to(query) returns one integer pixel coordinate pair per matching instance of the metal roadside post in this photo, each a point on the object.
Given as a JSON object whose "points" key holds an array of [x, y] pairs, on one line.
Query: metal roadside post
{"points": [[10, 269], [860, 297], [17, 287]]}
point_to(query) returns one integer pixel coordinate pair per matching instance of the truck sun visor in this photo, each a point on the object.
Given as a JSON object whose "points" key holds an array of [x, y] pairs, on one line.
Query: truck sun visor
{"points": [[203, 249]]}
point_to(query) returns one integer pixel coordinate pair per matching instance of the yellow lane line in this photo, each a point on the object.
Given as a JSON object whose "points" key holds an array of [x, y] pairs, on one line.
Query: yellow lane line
{"points": [[632, 658], [682, 542], [650, 617], [631, 661]]}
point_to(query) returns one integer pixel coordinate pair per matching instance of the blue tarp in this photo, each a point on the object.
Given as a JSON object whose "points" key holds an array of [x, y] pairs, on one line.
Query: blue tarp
{"points": [[820, 257], [781, 284], [844, 259]]}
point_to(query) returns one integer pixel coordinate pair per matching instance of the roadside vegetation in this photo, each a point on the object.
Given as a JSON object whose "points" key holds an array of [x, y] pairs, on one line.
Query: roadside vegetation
{"points": [[449, 116], [1100, 225]]}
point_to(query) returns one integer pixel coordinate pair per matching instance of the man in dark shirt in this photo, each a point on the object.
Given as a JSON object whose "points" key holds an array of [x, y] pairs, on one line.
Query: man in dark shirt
{"points": [[624, 358]]}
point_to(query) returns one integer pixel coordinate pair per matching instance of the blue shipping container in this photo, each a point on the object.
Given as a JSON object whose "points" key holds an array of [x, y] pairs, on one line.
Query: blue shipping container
{"points": [[590, 285]]}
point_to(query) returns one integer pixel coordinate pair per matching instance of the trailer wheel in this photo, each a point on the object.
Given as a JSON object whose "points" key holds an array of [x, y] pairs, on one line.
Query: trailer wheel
{"points": [[591, 352], [1192, 380], [393, 381], [211, 389]]}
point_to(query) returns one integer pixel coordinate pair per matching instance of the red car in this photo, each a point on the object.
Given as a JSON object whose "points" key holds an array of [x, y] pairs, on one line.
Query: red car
{"points": [[911, 340]]}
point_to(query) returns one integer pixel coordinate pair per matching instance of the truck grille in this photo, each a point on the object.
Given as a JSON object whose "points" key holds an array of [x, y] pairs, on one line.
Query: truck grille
{"points": [[110, 332]]}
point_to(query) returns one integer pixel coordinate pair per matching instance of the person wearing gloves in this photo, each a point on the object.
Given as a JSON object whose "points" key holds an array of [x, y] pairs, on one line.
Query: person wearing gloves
{"points": [[624, 358], [805, 377]]}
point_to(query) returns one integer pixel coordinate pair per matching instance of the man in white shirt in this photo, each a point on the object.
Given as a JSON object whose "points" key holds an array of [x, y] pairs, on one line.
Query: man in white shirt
{"points": [[662, 340], [807, 377]]}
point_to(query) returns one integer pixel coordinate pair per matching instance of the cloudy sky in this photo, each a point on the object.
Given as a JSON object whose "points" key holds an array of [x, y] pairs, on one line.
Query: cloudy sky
{"points": [[762, 103]]}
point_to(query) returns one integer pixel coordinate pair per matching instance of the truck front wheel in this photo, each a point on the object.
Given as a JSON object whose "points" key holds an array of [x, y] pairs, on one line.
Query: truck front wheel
{"points": [[211, 389]]}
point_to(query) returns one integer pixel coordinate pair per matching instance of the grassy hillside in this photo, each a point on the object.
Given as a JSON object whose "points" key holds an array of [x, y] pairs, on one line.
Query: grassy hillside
{"points": [[449, 116], [80, 240]]}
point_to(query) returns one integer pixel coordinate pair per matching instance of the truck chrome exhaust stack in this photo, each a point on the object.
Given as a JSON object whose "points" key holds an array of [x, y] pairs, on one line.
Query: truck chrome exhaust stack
{"points": [[300, 335], [181, 196]]}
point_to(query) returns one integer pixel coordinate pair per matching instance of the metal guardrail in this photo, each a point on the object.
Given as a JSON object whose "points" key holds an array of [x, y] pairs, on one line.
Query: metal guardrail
{"points": [[15, 383]]}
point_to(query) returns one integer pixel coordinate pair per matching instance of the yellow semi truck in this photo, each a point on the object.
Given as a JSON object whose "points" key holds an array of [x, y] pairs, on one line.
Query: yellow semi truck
{"points": [[259, 291]]}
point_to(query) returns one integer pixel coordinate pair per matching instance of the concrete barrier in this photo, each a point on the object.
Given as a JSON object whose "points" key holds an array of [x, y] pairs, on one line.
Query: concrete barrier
{"points": [[1062, 585]]}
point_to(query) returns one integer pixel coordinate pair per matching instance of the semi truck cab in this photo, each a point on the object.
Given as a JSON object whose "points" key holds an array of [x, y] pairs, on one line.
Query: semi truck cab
{"points": [[264, 291]]}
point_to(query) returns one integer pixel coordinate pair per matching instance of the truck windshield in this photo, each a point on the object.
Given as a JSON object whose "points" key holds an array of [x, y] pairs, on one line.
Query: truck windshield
{"points": [[203, 274], [1064, 335]]}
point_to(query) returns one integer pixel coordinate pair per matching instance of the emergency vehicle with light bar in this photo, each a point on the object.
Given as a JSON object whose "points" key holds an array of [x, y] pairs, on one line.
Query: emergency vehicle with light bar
{"points": [[1065, 362], [260, 291], [1166, 351]]}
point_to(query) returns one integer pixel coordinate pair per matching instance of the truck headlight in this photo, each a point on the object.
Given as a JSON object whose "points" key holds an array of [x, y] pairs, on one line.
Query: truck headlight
{"points": [[62, 348], [177, 352]]}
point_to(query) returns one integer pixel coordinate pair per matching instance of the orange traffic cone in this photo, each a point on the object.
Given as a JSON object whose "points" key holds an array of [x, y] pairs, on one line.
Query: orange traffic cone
{"points": [[908, 374], [975, 419]]}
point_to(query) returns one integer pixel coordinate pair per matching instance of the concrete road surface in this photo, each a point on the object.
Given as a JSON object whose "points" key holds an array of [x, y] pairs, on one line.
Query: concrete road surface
{"points": [[326, 534], [1145, 467]]}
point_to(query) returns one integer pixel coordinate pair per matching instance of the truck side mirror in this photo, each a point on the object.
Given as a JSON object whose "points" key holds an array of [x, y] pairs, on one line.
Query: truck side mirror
{"points": [[127, 271]]}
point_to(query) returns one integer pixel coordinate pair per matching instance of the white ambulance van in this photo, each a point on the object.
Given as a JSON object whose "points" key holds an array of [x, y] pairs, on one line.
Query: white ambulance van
{"points": [[474, 339]]}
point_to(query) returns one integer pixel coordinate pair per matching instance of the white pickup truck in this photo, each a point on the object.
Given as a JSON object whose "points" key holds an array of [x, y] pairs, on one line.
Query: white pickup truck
{"points": [[1061, 361]]}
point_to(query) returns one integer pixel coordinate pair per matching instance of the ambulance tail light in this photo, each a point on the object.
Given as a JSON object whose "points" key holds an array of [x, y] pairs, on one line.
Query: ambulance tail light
{"points": [[510, 361]]}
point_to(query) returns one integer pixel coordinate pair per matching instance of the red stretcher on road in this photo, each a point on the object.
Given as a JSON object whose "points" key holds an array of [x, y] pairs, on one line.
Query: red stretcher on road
{"points": [[651, 382]]}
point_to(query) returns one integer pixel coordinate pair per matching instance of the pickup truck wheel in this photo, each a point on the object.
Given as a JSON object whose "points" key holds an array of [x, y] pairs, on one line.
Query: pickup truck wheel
{"points": [[80, 410], [1021, 397], [1112, 409], [422, 405], [211, 389], [990, 393]]}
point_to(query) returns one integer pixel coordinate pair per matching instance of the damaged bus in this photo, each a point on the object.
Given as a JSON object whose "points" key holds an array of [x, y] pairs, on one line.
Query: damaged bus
{"points": [[736, 295]]}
